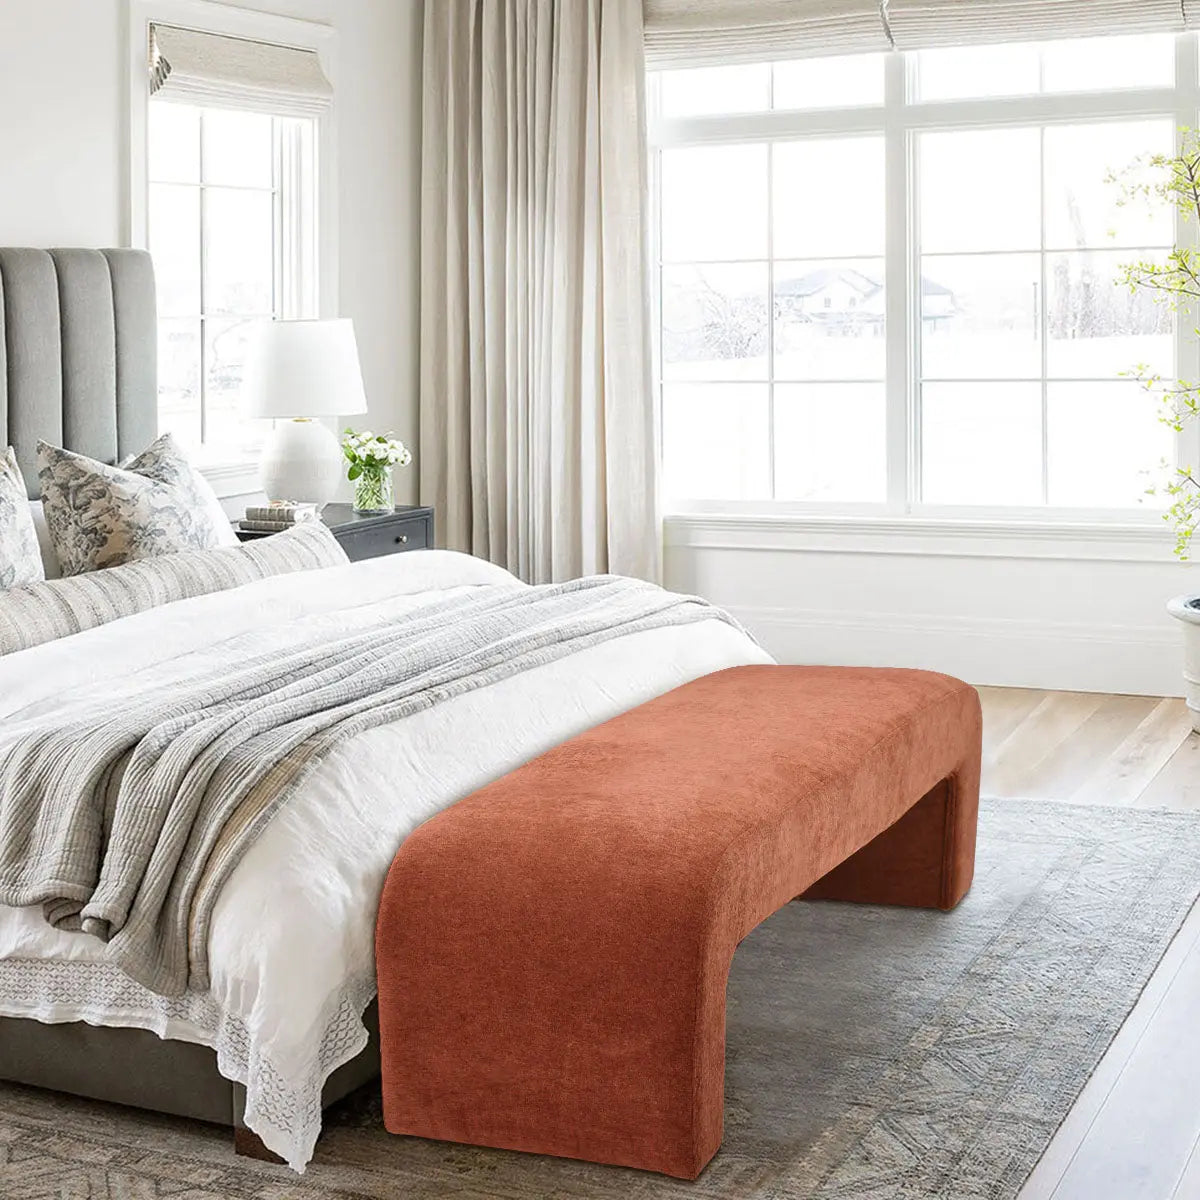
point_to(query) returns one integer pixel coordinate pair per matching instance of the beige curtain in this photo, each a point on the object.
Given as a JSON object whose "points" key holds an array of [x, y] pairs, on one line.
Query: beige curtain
{"points": [[538, 441]]}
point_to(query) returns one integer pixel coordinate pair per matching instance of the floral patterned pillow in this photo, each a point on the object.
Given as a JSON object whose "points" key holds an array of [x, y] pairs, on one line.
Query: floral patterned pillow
{"points": [[101, 516], [20, 557]]}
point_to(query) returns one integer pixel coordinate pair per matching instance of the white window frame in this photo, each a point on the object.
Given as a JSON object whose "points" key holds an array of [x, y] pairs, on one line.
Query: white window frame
{"points": [[315, 243], [899, 119]]}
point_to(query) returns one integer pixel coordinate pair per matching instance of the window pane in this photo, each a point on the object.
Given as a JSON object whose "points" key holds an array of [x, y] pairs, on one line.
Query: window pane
{"points": [[829, 319], [1105, 444], [174, 227], [714, 322], [828, 197], [174, 143], [1105, 63], [703, 91], [1071, 65], [1082, 206], [238, 148], [714, 203], [981, 443], [971, 71], [1098, 327], [179, 380], [979, 316], [852, 79], [225, 348], [239, 271], [715, 441], [830, 442], [980, 189]]}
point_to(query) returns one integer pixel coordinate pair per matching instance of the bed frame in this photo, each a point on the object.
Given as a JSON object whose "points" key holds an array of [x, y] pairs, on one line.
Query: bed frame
{"points": [[78, 367]]}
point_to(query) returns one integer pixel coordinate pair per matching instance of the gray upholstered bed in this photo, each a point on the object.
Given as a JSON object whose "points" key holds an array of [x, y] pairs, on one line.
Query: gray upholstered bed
{"points": [[78, 340], [77, 352]]}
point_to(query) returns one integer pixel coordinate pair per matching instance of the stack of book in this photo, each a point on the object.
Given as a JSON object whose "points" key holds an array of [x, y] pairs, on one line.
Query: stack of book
{"points": [[276, 516]]}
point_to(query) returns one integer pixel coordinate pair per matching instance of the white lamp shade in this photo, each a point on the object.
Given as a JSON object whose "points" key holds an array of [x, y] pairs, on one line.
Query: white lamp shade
{"points": [[303, 369]]}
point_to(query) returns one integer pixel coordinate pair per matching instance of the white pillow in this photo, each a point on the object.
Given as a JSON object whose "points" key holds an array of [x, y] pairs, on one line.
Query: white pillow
{"points": [[45, 545], [19, 559]]}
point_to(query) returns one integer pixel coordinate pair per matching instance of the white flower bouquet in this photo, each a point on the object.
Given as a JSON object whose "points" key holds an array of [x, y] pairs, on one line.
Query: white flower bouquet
{"points": [[371, 457]]}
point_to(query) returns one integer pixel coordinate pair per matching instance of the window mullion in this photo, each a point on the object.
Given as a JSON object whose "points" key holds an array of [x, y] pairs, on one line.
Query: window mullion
{"points": [[900, 402], [1043, 313], [284, 226], [202, 204], [771, 320], [1187, 345]]}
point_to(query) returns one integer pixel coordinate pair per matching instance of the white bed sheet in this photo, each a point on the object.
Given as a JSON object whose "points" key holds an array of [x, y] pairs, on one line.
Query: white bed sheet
{"points": [[291, 950]]}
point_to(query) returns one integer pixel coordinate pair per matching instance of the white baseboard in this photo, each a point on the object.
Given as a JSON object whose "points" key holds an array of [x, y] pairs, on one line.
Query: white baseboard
{"points": [[1140, 660]]}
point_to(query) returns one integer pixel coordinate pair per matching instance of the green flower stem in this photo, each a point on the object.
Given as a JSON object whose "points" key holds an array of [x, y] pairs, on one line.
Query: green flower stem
{"points": [[373, 491]]}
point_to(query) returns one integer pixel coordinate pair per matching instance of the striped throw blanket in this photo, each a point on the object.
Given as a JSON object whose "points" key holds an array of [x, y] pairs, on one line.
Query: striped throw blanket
{"points": [[125, 823]]}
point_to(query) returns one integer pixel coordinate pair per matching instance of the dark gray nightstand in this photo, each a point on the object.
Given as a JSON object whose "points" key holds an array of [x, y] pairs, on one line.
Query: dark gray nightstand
{"points": [[410, 527]]}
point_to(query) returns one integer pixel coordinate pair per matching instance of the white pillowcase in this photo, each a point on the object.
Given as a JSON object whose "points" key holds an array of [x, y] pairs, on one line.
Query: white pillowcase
{"points": [[20, 562], [45, 545]]}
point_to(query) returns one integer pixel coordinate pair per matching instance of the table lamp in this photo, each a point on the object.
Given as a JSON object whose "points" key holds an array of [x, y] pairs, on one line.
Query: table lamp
{"points": [[297, 371]]}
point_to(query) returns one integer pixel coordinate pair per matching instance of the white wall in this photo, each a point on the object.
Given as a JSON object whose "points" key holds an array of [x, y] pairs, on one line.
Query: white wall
{"points": [[61, 141], [64, 177], [1082, 611]]}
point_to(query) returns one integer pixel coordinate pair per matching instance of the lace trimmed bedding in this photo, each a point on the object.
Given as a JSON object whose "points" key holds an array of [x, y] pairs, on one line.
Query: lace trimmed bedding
{"points": [[283, 1106]]}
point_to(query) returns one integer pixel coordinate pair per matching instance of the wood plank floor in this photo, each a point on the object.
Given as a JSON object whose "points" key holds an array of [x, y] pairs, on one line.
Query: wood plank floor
{"points": [[1089, 748], [1134, 1132]]}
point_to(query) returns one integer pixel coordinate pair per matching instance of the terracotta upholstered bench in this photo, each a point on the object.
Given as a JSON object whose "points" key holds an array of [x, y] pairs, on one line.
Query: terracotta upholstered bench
{"points": [[553, 950]]}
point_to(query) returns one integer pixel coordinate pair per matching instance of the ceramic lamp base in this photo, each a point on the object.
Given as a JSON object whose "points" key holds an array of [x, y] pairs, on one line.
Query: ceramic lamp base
{"points": [[302, 461]]}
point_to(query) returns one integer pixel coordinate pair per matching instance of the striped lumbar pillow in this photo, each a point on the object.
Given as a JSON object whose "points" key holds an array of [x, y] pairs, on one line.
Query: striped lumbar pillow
{"points": [[43, 612]]}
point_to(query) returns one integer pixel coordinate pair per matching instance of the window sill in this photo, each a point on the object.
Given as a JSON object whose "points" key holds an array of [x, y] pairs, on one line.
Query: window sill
{"points": [[236, 478], [958, 537]]}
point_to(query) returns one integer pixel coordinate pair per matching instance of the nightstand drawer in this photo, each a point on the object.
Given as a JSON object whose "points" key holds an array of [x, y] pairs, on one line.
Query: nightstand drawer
{"points": [[384, 537]]}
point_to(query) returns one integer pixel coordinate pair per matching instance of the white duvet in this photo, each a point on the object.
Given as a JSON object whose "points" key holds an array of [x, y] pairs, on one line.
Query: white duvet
{"points": [[291, 950]]}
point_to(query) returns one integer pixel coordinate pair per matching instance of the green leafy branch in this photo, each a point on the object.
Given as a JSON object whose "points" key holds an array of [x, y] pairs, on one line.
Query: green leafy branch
{"points": [[1173, 282]]}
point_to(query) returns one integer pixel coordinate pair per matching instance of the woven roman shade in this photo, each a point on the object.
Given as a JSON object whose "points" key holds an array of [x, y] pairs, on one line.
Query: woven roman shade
{"points": [[916, 24], [212, 69], [700, 33], [697, 33]]}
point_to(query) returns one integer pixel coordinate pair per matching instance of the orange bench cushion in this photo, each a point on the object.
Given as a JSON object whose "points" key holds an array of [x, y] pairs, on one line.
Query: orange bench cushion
{"points": [[552, 951]]}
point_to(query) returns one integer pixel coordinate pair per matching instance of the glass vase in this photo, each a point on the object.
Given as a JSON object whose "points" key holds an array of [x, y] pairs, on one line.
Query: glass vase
{"points": [[374, 492]]}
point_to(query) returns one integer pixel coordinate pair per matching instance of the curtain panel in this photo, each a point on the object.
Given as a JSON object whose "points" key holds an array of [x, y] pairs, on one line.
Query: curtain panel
{"points": [[538, 424]]}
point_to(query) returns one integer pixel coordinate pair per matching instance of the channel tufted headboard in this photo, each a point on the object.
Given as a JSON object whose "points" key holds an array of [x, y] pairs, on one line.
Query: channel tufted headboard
{"points": [[78, 353]]}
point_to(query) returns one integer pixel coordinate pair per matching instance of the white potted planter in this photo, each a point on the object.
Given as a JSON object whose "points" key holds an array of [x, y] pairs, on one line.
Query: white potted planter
{"points": [[1187, 610]]}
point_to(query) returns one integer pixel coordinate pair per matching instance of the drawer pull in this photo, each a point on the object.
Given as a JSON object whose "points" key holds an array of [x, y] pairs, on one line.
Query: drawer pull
{"points": [[402, 539]]}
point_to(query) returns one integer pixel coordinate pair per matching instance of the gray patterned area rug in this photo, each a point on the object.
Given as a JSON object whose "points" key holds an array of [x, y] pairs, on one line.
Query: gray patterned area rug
{"points": [[873, 1053]]}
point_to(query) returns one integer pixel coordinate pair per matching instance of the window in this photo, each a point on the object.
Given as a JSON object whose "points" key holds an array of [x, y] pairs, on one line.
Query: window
{"points": [[231, 217], [894, 282], [1025, 329]]}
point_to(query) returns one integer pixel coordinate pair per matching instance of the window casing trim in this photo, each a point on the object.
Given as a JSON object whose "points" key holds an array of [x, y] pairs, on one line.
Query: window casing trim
{"points": [[314, 234], [898, 120]]}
